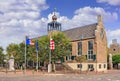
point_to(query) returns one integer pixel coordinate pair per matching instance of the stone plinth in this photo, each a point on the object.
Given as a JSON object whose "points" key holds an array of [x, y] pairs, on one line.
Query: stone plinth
{"points": [[11, 63]]}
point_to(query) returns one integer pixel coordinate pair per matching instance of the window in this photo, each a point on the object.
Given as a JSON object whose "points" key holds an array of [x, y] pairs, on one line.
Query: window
{"points": [[41, 63], [90, 45], [90, 50], [104, 65], [79, 66], [80, 48], [70, 49], [99, 66], [90, 66], [73, 57], [68, 58], [113, 49]]}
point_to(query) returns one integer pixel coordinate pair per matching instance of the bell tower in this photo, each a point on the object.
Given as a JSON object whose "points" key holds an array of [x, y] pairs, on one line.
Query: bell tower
{"points": [[54, 26]]}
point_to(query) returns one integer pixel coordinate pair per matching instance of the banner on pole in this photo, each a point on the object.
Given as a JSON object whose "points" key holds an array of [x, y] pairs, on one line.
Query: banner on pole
{"points": [[29, 42], [52, 45]]}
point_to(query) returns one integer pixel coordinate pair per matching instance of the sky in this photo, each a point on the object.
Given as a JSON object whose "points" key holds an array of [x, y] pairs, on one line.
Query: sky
{"points": [[19, 18]]}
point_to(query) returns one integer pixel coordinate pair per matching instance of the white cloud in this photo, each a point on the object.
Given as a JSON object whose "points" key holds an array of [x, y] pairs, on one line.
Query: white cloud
{"points": [[86, 15], [19, 18], [111, 2], [22, 17], [113, 34]]}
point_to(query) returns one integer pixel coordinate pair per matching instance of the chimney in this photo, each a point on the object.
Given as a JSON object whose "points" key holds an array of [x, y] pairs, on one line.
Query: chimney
{"points": [[99, 17]]}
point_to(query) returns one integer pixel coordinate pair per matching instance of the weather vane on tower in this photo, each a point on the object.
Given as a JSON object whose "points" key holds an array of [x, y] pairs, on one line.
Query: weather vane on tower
{"points": [[54, 17]]}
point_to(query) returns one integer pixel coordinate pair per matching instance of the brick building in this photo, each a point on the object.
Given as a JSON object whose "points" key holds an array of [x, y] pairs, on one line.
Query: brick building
{"points": [[114, 47], [89, 40]]}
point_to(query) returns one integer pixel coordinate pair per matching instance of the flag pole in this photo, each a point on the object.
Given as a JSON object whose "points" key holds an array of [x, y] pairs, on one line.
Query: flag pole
{"points": [[37, 61], [50, 54], [50, 57], [49, 65], [25, 55], [37, 53]]}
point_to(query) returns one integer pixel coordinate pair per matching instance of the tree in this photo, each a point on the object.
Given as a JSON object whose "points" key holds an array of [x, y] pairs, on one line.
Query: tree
{"points": [[80, 59], [21, 53], [44, 48], [62, 47], [116, 58], [1, 55], [31, 54], [13, 49]]}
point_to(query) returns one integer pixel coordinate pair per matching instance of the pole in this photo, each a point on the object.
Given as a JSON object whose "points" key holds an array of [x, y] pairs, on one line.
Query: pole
{"points": [[37, 54], [50, 57], [49, 65], [37, 62], [25, 56]]}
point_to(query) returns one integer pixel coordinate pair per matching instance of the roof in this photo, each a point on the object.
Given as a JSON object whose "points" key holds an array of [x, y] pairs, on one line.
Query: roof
{"points": [[54, 22], [83, 32]]}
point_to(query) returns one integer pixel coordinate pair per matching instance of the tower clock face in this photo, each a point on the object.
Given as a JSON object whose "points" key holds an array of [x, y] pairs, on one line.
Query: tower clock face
{"points": [[102, 34]]}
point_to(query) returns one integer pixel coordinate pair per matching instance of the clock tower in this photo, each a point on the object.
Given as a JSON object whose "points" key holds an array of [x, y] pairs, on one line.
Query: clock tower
{"points": [[54, 26]]}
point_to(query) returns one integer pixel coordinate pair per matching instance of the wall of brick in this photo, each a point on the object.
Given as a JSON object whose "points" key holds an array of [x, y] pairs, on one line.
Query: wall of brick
{"points": [[84, 46], [114, 49], [101, 45]]}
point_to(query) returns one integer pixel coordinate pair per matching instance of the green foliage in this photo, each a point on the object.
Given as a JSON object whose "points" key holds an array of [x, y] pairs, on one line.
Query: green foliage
{"points": [[21, 52], [31, 53], [62, 47], [116, 58], [1, 55], [1, 50], [13, 49], [80, 58], [44, 48]]}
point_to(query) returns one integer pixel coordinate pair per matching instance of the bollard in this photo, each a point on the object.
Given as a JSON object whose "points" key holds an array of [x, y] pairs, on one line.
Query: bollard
{"points": [[23, 72], [15, 71], [6, 71], [33, 72]]}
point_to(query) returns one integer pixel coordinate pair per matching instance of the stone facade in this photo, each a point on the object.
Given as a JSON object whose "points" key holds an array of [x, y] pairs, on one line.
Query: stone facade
{"points": [[85, 66], [99, 40], [114, 47]]}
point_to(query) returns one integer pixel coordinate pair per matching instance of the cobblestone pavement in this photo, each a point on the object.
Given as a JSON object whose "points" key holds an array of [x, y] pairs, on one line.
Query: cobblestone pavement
{"points": [[38, 76]]}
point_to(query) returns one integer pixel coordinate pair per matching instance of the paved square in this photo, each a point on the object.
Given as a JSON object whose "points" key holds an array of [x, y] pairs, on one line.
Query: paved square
{"points": [[115, 76]]}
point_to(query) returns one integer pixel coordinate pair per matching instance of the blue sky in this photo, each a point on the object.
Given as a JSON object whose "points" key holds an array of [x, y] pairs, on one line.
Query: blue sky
{"points": [[30, 17]]}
